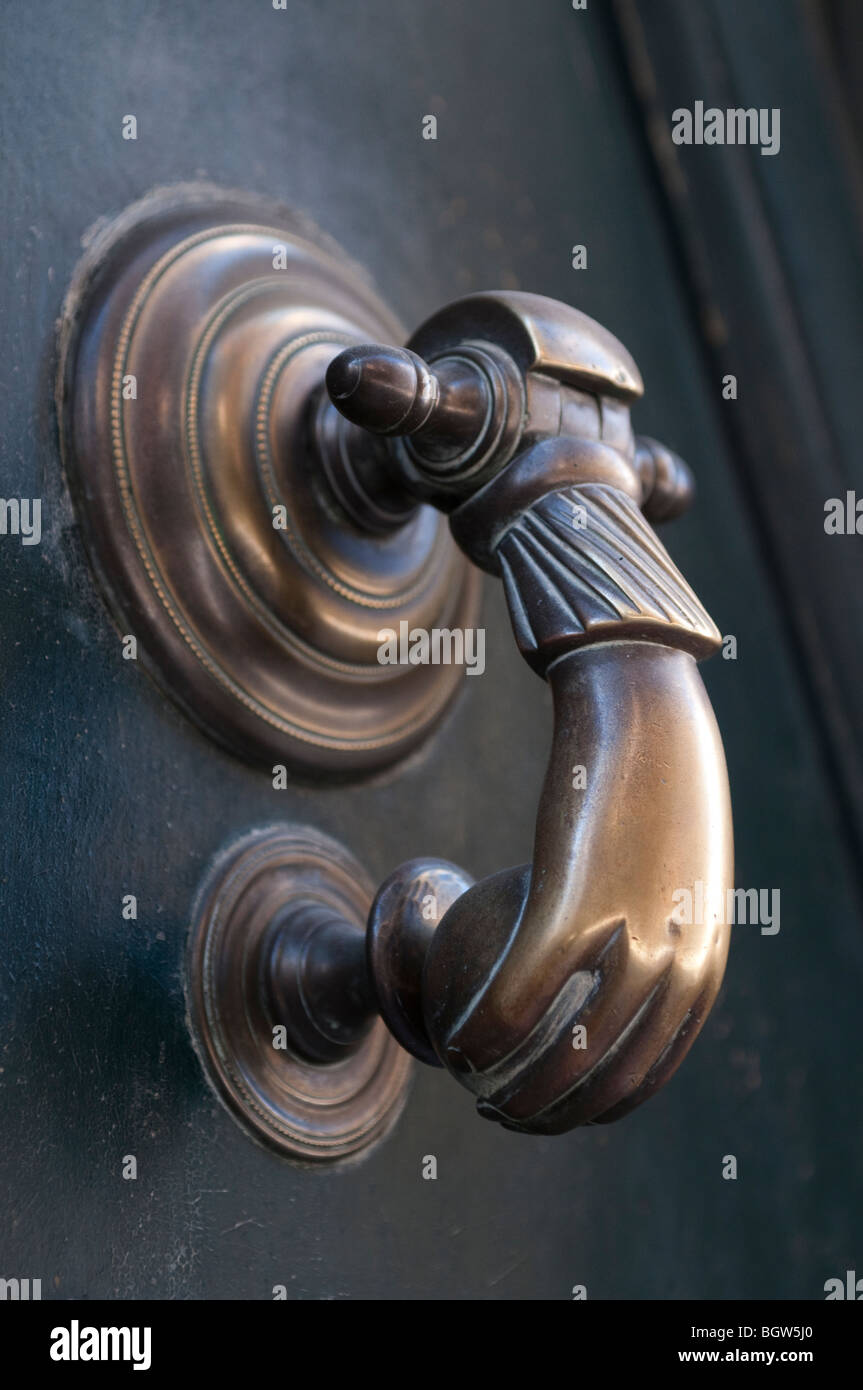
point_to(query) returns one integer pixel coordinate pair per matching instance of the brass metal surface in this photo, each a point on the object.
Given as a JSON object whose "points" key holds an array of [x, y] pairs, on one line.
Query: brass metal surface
{"points": [[195, 339], [568, 990], [561, 992], [280, 888]]}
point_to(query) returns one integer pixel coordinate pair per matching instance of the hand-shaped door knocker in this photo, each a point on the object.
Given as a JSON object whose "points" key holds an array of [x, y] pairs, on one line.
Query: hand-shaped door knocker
{"points": [[562, 992]]}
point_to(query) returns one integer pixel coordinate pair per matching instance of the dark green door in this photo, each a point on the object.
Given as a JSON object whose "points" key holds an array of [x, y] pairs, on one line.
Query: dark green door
{"points": [[546, 140]]}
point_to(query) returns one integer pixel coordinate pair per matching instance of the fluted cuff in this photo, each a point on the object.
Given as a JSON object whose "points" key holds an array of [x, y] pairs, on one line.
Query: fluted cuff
{"points": [[581, 565]]}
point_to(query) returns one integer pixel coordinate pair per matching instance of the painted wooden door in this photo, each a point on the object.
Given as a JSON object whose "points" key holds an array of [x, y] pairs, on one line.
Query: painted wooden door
{"points": [[543, 145]]}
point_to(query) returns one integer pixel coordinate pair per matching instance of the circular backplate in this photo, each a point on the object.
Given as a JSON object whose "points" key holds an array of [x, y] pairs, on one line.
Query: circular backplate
{"points": [[306, 1111], [195, 338]]}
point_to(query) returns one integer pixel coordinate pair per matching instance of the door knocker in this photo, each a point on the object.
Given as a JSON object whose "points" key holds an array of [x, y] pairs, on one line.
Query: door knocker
{"points": [[560, 993]]}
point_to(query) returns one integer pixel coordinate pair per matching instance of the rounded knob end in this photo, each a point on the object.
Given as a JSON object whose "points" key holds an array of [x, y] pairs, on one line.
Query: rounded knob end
{"points": [[667, 483], [404, 916], [386, 390]]}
